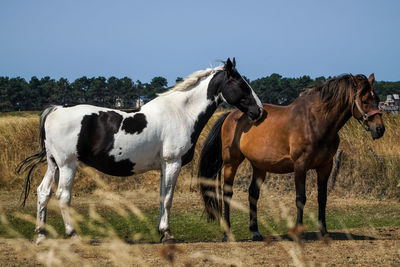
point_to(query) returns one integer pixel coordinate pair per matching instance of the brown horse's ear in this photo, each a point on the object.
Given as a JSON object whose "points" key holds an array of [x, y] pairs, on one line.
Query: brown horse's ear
{"points": [[371, 79], [354, 79]]}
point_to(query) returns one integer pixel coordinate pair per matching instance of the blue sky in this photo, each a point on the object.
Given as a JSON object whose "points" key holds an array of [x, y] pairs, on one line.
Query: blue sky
{"points": [[144, 39]]}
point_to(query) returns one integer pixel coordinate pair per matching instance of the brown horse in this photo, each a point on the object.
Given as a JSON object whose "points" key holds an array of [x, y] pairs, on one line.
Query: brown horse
{"points": [[293, 138]]}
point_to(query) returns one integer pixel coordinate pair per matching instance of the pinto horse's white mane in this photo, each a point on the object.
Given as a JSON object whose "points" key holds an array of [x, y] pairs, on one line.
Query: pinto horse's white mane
{"points": [[193, 79]]}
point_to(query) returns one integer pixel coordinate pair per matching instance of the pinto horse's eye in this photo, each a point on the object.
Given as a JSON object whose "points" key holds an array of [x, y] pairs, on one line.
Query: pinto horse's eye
{"points": [[244, 101]]}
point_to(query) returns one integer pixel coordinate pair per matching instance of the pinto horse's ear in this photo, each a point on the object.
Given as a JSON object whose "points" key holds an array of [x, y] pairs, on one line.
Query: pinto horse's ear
{"points": [[234, 62], [229, 66], [371, 79]]}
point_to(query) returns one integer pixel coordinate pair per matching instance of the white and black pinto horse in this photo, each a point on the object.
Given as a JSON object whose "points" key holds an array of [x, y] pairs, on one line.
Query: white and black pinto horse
{"points": [[160, 136]]}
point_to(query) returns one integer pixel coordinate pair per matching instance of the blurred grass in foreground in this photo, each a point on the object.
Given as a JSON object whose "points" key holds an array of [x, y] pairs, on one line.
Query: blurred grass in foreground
{"points": [[96, 221]]}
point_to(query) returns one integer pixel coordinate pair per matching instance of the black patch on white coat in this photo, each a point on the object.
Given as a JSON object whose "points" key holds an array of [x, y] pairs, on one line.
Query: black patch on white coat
{"points": [[134, 124], [214, 85], [201, 121], [203, 117], [96, 140], [232, 84]]}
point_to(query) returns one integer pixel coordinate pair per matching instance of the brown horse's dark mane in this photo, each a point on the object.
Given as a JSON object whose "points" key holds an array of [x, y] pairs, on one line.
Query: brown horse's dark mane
{"points": [[337, 92]]}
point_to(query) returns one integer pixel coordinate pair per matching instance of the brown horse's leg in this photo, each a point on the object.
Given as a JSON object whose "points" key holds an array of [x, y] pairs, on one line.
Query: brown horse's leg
{"points": [[254, 194], [300, 181], [323, 175], [229, 175]]}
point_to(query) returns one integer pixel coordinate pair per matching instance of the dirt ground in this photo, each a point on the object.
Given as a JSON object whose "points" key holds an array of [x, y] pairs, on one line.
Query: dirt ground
{"points": [[362, 246]]}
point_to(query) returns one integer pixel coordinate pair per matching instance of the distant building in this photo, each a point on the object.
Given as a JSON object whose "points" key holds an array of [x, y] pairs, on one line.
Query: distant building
{"points": [[140, 101], [136, 103], [119, 103], [391, 105]]}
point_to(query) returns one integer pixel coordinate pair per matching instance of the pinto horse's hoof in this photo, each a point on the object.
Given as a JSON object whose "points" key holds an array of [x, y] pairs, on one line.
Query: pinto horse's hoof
{"points": [[257, 237], [167, 238], [72, 234], [40, 238]]}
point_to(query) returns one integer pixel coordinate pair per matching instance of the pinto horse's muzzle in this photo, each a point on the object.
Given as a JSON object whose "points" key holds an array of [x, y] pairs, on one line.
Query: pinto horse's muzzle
{"points": [[256, 114]]}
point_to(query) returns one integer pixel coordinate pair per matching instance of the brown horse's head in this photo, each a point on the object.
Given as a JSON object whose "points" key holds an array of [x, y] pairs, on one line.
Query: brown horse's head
{"points": [[365, 105]]}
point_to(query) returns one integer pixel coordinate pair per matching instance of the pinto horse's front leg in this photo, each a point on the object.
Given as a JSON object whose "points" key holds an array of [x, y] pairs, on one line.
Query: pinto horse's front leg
{"points": [[169, 175]]}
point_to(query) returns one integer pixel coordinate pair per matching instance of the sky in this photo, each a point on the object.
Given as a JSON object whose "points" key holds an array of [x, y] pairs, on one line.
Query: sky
{"points": [[145, 39]]}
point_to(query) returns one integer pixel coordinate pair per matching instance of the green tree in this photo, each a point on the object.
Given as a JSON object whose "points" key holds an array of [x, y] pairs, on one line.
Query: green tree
{"points": [[156, 86], [63, 90], [46, 88], [114, 92], [78, 92], [128, 92], [5, 103], [20, 94]]}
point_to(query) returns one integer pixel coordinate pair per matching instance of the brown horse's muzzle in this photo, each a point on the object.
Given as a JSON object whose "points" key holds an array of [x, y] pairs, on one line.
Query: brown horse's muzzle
{"points": [[375, 125], [377, 131]]}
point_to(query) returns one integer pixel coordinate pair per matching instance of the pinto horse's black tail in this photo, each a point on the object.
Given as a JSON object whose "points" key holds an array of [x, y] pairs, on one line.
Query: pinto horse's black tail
{"points": [[209, 168], [30, 163]]}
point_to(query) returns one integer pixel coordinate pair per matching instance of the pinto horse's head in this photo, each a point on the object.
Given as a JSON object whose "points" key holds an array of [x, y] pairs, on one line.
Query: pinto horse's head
{"points": [[237, 92], [365, 105]]}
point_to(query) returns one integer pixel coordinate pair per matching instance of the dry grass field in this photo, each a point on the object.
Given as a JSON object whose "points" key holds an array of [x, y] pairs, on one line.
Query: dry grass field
{"points": [[117, 217]]}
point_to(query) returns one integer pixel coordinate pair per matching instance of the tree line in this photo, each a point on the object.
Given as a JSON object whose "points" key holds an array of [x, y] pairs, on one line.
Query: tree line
{"points": [[19, 94]]}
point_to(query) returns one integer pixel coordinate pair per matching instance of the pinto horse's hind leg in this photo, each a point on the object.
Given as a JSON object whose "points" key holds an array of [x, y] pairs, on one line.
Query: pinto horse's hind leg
{"points": [[169, 175], [44, 192], [323, 176], [254, 194], [63, 194]]}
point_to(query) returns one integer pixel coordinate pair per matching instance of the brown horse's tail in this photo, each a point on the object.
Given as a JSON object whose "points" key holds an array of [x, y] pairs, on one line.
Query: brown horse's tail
{"points": [[209, 168], [30, 163]]}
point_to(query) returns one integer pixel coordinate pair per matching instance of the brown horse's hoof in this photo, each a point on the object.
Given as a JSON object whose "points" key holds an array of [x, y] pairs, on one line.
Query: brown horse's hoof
{"points": [[323, 231], [225, 238], [257, 237], [167, 238]]}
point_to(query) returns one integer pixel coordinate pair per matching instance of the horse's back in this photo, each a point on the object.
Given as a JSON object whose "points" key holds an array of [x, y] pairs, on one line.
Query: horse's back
{"points": [[72, 129], [67, 122]]}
